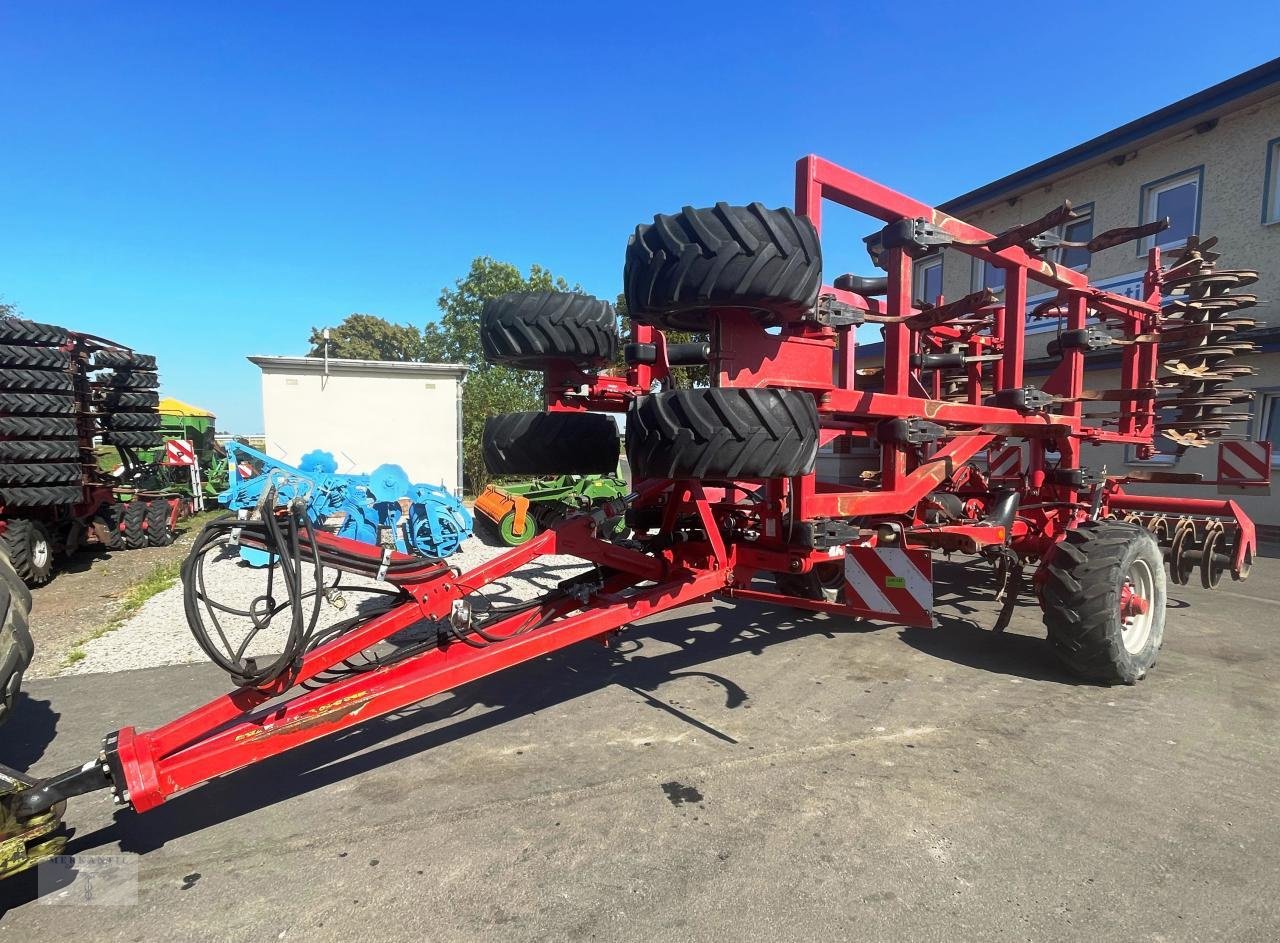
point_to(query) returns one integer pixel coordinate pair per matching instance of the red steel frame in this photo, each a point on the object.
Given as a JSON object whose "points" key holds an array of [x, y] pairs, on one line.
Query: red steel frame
{"points": [[249, 725]]}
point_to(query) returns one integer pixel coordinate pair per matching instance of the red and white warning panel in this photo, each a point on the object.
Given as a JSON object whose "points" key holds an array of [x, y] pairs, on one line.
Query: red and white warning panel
{"points": [[890, 583], [1005, 462], [1244, 467], [179, 452]]}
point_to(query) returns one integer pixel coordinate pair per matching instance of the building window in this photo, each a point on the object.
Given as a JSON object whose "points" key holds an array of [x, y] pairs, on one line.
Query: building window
{"points": [[1269, 426], [1178, 198], [1077, 230], [1271, 184], [928, 279], [986, 275]]}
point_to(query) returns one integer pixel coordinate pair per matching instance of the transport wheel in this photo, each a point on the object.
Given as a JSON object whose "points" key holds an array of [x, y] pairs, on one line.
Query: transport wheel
{"points": [[724, 432], [159, 534], [106, 526], [12, 355], [39, 450], [38, 427], [824, 582], [41, 496], [535, 330], [723, 256], [39, 473], [132, 421], [16, 645], [30, 550], [1104, 601], [135, 515], [37, 404], [550, 444], [507, 529], [29, 379], [31, 332]]}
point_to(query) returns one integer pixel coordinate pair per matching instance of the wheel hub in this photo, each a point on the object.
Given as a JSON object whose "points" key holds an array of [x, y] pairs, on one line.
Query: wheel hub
{"points": [[1136, 617]]}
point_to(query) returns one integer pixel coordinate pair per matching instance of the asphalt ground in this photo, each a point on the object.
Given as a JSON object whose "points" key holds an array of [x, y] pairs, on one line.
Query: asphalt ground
{"points": [[729, 771]]}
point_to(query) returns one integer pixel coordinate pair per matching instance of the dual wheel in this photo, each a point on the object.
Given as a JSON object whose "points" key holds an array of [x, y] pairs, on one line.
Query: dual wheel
{"points": [[679, 271]]}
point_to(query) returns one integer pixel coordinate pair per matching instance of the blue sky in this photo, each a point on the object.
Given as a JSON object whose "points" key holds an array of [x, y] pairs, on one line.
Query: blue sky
{"points": [[205, 182]]}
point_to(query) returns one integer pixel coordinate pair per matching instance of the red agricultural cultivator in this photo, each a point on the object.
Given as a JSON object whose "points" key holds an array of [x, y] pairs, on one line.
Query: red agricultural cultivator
{"points": [[725, 483]]}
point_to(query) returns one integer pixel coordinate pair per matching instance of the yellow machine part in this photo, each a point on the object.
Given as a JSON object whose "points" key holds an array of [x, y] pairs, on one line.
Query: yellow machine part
{"points": [[495, 504]]}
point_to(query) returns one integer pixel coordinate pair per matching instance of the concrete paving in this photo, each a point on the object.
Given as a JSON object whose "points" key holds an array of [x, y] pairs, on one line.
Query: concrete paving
{"points": [[728, 772]]}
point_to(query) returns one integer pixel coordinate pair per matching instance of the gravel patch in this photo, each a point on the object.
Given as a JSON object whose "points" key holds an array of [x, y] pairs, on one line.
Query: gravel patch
{"points": [[157, 633]]}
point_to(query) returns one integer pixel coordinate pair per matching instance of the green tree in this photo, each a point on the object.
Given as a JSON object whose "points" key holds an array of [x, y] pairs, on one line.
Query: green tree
{"points": [[456, 339], [368, 337]]}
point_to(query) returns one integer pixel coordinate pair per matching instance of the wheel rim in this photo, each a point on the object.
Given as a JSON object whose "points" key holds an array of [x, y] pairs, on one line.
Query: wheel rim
{"points": [[40, 553], [508, 528], [1136, 616]]}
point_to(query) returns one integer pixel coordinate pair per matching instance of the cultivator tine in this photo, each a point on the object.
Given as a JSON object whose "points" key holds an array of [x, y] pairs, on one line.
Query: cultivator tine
{"points": [[26, 841], [1122, 234], [1025, 234], [1198, 339]]}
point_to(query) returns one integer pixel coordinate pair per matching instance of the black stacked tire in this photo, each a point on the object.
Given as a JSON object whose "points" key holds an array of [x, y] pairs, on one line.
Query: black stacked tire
{"points": [[534, 330], [134, 439], [36, 404], [18, 331], [131, 379], [1083, 595], [30, 549], [123, 360], [21, 356], [726, 432], [550, 444], [132, 421], [158, 532], [36, 379], [679, 267], [129, 399], [38, 473], [39, 450], [16, 645], [38, 427], [38, 497]]}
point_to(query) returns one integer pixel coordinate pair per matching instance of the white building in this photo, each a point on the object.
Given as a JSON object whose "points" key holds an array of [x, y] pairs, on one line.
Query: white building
{"points": [[367, 413]]}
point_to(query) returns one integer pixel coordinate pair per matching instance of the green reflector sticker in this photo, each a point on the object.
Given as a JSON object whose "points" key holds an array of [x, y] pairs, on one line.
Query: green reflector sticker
{"points": [[895, 582]]}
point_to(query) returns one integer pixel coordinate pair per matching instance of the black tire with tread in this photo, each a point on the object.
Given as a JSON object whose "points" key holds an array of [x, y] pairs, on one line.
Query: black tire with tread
{"points": [[135, 533], [122, 360], [23, 539], [1081, 600], [37, 497], [131, 420], [39, 450], [39, 473], [19, 331], [37, 404], [130, 399], [38, 427], [130, 379], [723, 432], [107, 526], [134, 439], [13, 355], [36, 379], [678, 267], [17, 648], [533, 330], [557, 443], [159, 533]]}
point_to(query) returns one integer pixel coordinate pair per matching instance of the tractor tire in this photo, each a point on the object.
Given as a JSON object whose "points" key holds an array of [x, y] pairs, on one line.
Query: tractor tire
{"points": [[30, 550], [16, 645], [41, 497], [38, 427], [131, 380], [40, 450], [131, 421], [18, 331], [122, 360], [106, 526], [29, 379], [534, 330], [1087, 577], [134, 439], [679, 267], [723, 432], [15, 356], [39, 473], [159, 533], [550, 444], [130, 399], [135, 533], [825, 583], [37, 404]]}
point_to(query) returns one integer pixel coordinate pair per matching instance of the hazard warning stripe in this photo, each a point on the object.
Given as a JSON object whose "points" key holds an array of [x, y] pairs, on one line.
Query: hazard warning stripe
{"points": [[891, 583], [1006, 461], [1247, 460]]}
